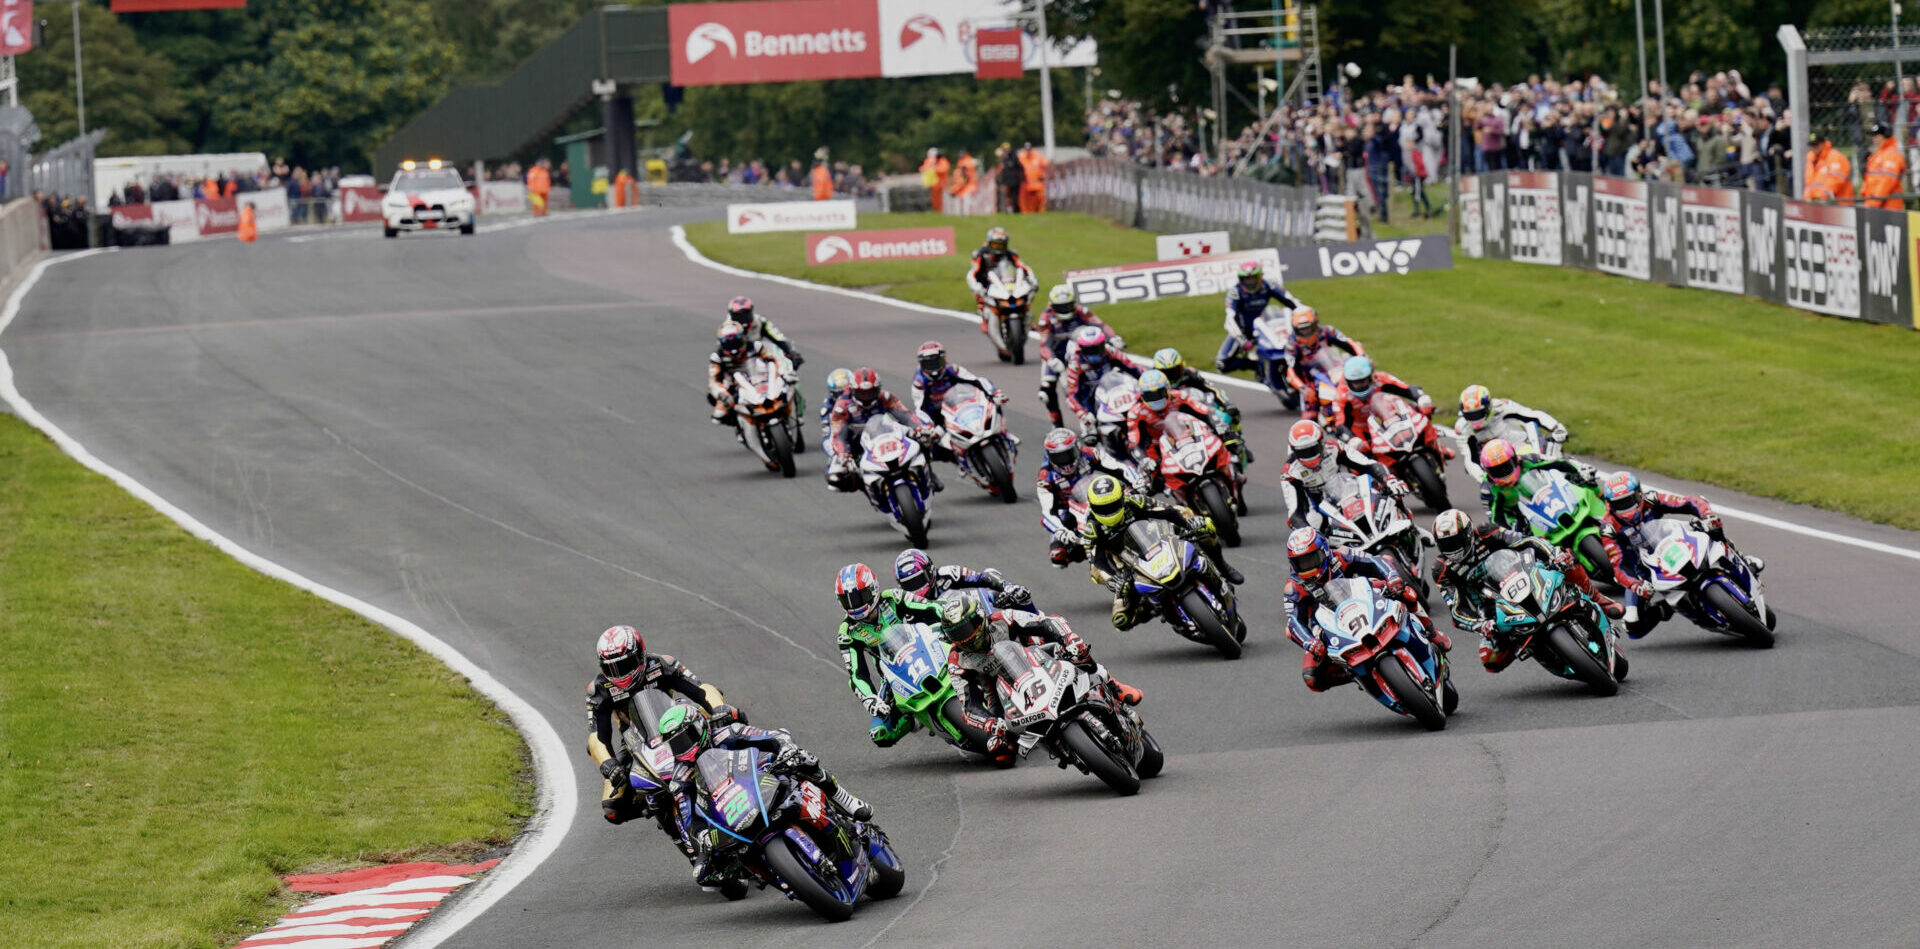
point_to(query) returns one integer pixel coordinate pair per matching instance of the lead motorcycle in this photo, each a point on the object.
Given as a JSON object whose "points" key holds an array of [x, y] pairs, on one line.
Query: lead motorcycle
{"points": [[1177, 579], [770, 411], [1538, 615], [1271, 333], [1007, 311], [1072, 713], [976, 434], [894, 470], [1702, 577], [775, 829], [1388, 651], [1199, 472]]}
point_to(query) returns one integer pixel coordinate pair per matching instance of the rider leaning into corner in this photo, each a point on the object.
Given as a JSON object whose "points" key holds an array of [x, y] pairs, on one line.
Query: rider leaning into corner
{"points": [[986, 257], [865, 401], [972, 635], [1090, 356], [1147, 421], [1349, 410], [1182, 376], [1312, 462], [626, 668], [1629, 508], [870, 611], [916, 574], [732, 351], [936, 377], [1057, 323], [1459, 570], [1104, 535], [1312, 566], [1070, 458]]}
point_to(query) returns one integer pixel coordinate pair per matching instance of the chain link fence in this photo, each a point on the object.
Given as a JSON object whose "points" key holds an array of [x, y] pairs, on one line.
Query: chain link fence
{"points": [[1856, 76]]}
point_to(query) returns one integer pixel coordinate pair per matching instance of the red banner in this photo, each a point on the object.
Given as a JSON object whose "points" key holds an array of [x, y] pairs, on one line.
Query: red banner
{"points": [[997, 54], [360, 204], [161, 6], [217, 216], [913, 243], [773, 41], [16, 27]]}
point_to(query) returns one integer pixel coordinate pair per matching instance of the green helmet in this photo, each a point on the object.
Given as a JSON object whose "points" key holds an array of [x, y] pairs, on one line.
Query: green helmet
{"points": [[966, 629], [684, 730]]}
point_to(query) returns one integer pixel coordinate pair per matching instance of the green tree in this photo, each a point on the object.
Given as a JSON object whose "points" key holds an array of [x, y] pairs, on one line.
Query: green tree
{"points": [[1149, 49], [130, 90]]}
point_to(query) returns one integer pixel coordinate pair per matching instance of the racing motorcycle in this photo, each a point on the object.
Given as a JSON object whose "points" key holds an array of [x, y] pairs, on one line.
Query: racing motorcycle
{"points": [[1357, 512], [770, 412], [652, 765], [775, 829], [976, 434], [893, 467], [914, 660], [1113, 399], [1525, 436], [1403, 441], [1271, 334], [1388, 651], [1538, 615], [1568, 516], [1009, 298], [1702, 577], [1175, 577], [1073, 713], [1199, 473]]}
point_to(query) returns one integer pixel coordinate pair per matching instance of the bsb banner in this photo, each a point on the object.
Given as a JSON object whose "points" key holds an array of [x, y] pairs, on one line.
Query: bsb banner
{"points": [[1533, 217], [1192, 277], [1620, 227], [1710, 229], [1822, 258]]}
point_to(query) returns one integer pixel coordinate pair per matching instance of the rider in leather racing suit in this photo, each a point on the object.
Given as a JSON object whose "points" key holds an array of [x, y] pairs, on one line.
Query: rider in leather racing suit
{"points": [[689, 733], [1070, 458], [1458, 568], [1182, 376], [1478, 409], [916, 574], [870, 611], [1104, 534], [1304, 342], [758, 330], [1311, 464], [936, 377], [973, 635], [986, 257], [1147, 421], [1349, 409], [1057, 324], [1093, 353], [1629, 508], [1313, 564], [839, 384], [626, 668], [1504, 466], [1247, 301], [850, 417], [731, 353]]}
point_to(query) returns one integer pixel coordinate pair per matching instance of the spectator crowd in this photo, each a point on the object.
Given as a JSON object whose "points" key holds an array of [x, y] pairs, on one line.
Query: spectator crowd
{"points": [[309, 193]]}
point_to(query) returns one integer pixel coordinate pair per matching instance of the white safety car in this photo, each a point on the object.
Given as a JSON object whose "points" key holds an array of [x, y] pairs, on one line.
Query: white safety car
{"points": [[427, 197]]}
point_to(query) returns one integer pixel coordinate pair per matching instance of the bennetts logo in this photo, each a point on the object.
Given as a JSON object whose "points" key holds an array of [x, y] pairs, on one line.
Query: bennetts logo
{"points": [[708, 37]]}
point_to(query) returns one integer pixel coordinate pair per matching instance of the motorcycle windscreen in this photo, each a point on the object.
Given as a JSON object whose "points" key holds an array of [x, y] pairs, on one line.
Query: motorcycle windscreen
{"points": [[908, 660], [1143, 534], [1548, 502]]}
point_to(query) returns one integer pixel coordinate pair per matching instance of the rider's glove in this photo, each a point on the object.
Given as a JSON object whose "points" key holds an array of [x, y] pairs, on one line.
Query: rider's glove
{"points": [[1015, 593], [1394, 588], [1197, 523], [1559, 433], [994, 579], [999, 397], [1711, 524], [1562, 558], [1065, 538], [1119, 584], [1426, 403], [1642, 589], [615, 771], [1484, 628], [1397, 487], [798, 360], [876, 705]]}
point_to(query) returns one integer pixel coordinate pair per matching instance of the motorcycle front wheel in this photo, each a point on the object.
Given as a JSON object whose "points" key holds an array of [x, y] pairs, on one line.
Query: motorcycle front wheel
{"points": [[888, 878], [1211, 626], [800, 879], [993, 461], [1411, 697], [912, 517], [1739, 616], [1152, 759], [780, 447], [1017, 339], [1586, 666], [1433, 491], [1109, 769]]}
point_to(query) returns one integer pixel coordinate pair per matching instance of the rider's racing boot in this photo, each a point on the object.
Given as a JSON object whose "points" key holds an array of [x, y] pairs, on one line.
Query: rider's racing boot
{"points": [[849, 805], [1754, 564], [1612, 608], [1127, 694], [1231, 575]]}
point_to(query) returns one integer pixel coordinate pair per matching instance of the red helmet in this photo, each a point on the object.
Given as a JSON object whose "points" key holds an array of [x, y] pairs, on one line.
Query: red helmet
{"points": [[1062, 448], [1306, 324], [866, 384], [1498, 460], [932, 357], [622, 652], [1622, 493], [740, 310], [1307, 552], [857, 590], [1307, 452]]}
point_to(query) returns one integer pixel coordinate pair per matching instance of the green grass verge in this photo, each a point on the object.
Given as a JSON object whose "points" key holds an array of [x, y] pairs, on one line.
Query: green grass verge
{"points": [[1697, 384], [177, 730]]}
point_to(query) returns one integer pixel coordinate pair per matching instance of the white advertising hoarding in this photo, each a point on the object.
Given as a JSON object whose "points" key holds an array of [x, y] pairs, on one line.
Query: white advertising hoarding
{"points": [[1197, 244], [1154, 280], [935, 37], [791, 216]]}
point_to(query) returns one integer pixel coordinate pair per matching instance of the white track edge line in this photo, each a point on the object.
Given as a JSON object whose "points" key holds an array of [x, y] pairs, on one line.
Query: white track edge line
{"points": [[558, 794], [693, 253]]}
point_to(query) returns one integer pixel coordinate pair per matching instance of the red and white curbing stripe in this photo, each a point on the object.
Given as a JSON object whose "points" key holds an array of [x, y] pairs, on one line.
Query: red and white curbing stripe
{"points": [[366, 908]]}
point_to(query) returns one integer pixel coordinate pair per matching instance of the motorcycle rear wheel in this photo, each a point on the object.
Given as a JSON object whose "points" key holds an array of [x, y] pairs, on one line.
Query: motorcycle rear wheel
{"points": [[1411, 697], [1099, 760], [791, 868], [954, 711], [1585, 665], [912, 517], [1598, 565], [1214, 500], [1740, 617], [781, 448], [1210, 625], [994, 460], [1433, 491]]}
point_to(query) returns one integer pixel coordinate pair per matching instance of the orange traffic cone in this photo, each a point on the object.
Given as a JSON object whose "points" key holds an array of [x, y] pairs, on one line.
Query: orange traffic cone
{"points": [[248, 231]]}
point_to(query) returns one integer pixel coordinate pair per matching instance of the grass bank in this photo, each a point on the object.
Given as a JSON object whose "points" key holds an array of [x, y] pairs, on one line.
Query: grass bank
{"points": [[1696, 384], [177, 730]]}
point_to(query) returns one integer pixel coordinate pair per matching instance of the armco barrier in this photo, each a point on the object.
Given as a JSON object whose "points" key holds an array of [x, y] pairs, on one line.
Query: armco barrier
{"points": [[1854, 263], [22, 235], [1255, 213]]}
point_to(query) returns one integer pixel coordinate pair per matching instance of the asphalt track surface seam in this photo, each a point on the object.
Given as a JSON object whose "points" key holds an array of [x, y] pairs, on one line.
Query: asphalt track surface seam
{"points": [[558, 796], [693, 253]]}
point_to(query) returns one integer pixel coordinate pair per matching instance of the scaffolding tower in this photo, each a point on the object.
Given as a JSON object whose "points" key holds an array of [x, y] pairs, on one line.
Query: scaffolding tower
{"points": [[1272, 36]]}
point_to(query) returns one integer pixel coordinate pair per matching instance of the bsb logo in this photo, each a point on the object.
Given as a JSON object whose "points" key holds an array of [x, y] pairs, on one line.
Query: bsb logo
{"points": [[708, 37], [917, 29]]}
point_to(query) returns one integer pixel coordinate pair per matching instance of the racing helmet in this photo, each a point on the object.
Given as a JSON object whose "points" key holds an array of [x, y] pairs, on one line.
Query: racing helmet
{"points": [[997, 240], [1107, 500], [965, 628], [1062, 448], [1621, 491], [1090, 345], [683, 729], [1153, 389], [1358, 373], [1307, 554], [1307, 453], [1167, 360], [932, 358], [1062, 298], [731, 340], [838, 382], [740, 310], [622, 653], [857, 590], [866, 385], [1306, 324], [1453, 534], [1498, 460], [1476, 403], [1250, 274], [914, 571]]}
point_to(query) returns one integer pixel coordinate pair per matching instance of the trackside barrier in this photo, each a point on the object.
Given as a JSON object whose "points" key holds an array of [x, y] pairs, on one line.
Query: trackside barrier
{"points": [[1854, 263], [1255, 213], [23, 233]]}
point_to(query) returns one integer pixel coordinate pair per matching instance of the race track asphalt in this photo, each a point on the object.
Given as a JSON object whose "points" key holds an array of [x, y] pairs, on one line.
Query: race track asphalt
{"points": [[503, 439]]}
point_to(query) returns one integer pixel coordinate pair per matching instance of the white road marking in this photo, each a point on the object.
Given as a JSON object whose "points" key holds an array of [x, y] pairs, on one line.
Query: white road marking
{"points": [[693, 254], [559, 792]]}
